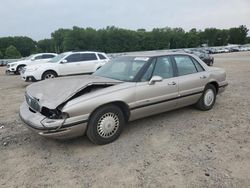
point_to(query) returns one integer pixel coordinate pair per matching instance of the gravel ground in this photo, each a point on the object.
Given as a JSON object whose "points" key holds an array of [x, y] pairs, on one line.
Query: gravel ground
{"points": [[182, 148]]}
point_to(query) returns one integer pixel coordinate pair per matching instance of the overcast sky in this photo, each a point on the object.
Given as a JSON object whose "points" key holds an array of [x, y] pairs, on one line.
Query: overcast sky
{"points": [[38, 18]]}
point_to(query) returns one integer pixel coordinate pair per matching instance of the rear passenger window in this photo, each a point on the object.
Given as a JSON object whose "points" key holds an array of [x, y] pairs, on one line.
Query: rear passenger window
{"points": [[198, 65], [163, 67], [101, 56], [185, 65], [38, 57], [88, 57], [47, 56]]}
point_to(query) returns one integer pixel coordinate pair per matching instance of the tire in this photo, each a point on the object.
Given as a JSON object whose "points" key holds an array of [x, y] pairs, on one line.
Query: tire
{"points": [[18, 69], [105, 125], [49, 75], [211, 63], [208, 98]]}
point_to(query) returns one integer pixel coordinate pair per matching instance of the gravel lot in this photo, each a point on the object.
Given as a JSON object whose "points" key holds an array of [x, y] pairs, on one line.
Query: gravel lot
{"points": [[182, 148]]}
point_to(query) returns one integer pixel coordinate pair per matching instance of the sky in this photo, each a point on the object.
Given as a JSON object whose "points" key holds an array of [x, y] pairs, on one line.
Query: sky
{"points": [[39, 18]]}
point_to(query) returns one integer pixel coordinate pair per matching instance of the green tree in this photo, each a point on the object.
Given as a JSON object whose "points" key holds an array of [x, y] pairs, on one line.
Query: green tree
{"points": [[248, 40], [46, 45], [1, 55], [238, 35], [12, 53], [192, 38], [177, 39], [24, 45], [58, 37], [221, 38], [209, 36]]}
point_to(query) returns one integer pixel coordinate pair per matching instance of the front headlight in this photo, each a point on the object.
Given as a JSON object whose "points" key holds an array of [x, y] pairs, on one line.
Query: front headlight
{"points": [[12, 65]]}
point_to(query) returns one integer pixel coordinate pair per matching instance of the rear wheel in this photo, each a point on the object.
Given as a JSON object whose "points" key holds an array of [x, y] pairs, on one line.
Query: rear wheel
{"points": [[208, 98], [105, 125], [49, 75]]}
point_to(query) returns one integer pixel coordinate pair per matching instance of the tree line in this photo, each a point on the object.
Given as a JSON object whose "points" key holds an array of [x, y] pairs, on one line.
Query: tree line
{"points": [[113, 39]]}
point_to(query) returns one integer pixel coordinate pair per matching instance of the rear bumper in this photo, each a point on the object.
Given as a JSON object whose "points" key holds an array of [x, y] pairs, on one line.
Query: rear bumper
{"points": [[29, 78], [50, 128]]}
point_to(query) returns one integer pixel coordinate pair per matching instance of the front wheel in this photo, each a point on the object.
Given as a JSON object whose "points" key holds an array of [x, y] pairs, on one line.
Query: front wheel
{"points": [[19, 69], [105, 125], [49, 75], [208, 98]]}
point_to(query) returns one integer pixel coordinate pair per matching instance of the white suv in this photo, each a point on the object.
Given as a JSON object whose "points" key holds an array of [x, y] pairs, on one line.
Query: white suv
{"points": [[17, 66], [68, 63]]}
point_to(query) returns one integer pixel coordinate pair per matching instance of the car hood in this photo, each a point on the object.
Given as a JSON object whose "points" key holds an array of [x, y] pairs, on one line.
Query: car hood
{"points": [[44, 64], [53, 92], [19, 62], [36, 62]]}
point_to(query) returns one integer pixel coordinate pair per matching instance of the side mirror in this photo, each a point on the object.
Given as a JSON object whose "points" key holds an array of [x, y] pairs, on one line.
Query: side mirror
{"points": [[155, 79], [64, 61], [32, 59]]}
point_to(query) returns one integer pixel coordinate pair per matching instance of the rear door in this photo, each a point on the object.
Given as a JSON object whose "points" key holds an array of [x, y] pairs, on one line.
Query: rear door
{"points": [[191, 79], [88, 63], [161, 96]]}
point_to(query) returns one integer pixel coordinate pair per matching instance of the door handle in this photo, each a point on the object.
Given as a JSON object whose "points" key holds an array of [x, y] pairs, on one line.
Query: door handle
{"points": [[172, 83], [203, 77]]}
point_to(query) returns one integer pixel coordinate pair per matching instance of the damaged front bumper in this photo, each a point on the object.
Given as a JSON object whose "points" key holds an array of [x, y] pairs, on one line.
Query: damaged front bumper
{"points": [[52, 128]]}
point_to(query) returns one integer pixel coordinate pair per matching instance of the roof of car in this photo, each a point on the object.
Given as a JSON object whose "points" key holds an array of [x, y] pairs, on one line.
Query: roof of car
{"points": [[154, 54], [45, 53], [85, 52]]}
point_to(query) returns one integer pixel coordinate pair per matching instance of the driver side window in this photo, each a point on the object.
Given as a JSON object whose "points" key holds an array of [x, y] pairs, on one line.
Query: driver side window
{"points": [[73, 58], [162, 67]]}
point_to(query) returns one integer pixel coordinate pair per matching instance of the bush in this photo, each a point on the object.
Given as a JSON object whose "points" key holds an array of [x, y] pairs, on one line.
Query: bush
{"points": [[1, 55], [12, 53]]}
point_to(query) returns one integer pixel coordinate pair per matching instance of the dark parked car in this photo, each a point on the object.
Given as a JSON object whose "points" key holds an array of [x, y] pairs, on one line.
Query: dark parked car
{"points": [[206, 58]]}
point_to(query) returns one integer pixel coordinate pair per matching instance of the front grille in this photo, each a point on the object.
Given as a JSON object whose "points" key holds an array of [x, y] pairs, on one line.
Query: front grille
{"points": [[33, 103]]}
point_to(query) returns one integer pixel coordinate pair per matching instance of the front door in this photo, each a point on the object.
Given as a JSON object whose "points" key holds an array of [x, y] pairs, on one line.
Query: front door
{"points": [[160, 96], [71, 66]]}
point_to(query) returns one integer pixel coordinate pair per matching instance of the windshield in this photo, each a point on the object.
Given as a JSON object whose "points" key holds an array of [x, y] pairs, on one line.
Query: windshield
{"points": [[122, 68], [58, 58]]}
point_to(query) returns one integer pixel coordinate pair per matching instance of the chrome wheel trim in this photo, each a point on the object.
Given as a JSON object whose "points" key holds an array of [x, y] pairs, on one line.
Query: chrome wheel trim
{"points": [[108, 125], [48, 76], [209, 97]]}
